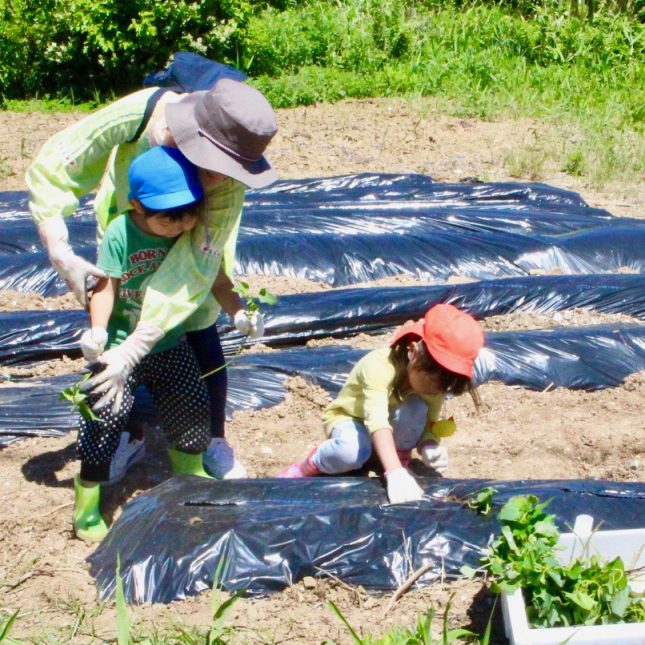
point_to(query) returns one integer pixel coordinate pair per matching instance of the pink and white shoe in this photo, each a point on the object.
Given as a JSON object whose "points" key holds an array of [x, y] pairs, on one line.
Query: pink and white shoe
{"points": [[304, 468]]}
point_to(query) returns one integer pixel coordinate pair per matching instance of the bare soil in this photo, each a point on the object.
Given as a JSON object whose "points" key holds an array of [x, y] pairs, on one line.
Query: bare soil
{"points": [[518, 434]]}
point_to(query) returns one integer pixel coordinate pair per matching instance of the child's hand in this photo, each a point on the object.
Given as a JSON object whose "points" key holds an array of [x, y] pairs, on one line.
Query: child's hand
{"points": [[110, 380], [252, 326], [93, 343], [402, 487], [434, 456]]}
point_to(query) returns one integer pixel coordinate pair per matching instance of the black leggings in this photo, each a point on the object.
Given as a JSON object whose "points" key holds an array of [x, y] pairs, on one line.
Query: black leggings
{"points": [[208, 350], [181, 401]]}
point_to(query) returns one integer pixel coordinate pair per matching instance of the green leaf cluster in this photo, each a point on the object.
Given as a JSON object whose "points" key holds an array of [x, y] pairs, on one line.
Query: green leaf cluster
{"points": [[88, 48], [78, 399], [482, 500], [253, 301], [95, 49], [580, 593]]}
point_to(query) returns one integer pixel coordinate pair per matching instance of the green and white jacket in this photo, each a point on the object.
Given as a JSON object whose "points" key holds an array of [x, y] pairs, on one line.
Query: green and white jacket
{"points": [[94, 155]]}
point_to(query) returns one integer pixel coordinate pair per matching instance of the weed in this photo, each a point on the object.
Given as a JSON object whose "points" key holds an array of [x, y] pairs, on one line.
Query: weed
{"points": [[122, 620], [575, 163], [5, 626], [421, 634], [5, 168], [482, 500], [529, 160], [527, 163], [213, 636]]}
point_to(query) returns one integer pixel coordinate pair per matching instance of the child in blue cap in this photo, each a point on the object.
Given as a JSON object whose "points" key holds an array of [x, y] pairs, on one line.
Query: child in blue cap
{"points": [[166, 196]]}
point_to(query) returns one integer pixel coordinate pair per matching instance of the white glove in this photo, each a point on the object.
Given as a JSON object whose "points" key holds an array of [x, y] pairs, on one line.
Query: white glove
{"points": [[402, 487], [93, 343], [252, 326], [72, 268], [434, 456], [119, 363]]}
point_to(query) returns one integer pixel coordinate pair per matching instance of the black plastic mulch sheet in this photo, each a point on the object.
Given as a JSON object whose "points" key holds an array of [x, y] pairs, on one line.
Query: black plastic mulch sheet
{"points": [[271, 533], [18, 234], [33, 408], [358, 228], [33, 272], [588, 358], [26, 337], [30, 336], [21, 236]]}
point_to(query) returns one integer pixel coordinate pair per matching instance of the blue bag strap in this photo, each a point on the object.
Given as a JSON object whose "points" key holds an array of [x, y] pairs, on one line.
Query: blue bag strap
{"points": [[150, 108]]}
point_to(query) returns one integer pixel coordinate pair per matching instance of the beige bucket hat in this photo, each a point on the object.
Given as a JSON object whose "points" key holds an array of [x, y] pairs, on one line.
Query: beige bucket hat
{"points": [[226, 129]]}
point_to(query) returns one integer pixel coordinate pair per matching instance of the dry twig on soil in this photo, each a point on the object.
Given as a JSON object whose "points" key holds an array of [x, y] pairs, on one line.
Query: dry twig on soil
{"points": [[407, 584]]}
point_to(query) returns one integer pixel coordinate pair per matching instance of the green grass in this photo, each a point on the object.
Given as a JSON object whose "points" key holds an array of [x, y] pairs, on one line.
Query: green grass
{"points": [[478, 60], [51, 105], [421, 633]]}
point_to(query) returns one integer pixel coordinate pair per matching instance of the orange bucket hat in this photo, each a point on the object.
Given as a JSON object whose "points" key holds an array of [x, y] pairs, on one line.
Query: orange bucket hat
{"points": [[451, 336]]}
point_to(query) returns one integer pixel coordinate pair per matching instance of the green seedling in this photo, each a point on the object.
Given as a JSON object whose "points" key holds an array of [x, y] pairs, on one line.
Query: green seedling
{"points": [[122, 619], [5, 627], [253, 302], [482, 500], [579, 593], [78, 399], [216, 634]]}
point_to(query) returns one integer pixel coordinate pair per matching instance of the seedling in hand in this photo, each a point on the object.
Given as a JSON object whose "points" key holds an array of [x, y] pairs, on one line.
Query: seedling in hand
{"points": [[78, 400], [264, 296]]}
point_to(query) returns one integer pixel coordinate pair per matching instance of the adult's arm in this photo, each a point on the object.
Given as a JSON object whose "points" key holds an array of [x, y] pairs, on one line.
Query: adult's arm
{"points": [[72, 162], [71, 165]]}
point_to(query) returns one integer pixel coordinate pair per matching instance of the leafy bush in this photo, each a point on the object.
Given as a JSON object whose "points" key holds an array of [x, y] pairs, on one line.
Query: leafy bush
{"points": [[97, 48], [81, 47]]}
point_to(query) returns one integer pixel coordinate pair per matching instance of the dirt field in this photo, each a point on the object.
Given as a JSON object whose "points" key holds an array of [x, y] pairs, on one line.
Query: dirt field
{"points": [[518, 433]]}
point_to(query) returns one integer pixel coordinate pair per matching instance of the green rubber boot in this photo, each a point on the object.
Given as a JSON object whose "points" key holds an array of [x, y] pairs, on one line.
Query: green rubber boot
{"points": [[184, 463], [88, 523]]}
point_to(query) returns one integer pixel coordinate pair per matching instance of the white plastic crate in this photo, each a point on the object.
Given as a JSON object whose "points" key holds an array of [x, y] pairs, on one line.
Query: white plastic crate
{"points": [[629, 545]]}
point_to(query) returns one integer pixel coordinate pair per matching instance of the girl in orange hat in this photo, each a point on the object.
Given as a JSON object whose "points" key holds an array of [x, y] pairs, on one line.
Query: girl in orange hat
{"points": [[392, 399]]}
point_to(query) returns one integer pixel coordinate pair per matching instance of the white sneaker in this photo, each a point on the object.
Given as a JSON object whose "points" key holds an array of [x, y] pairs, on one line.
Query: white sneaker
{"points": [[128, 453], [220, 462]]}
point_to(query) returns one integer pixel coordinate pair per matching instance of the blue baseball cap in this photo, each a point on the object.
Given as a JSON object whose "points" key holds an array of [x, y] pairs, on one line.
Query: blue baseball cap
{"points": [[162, 178]]}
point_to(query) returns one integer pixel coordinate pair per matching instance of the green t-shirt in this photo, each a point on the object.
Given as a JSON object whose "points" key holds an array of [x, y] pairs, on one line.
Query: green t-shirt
{"points": [[132, 256]]}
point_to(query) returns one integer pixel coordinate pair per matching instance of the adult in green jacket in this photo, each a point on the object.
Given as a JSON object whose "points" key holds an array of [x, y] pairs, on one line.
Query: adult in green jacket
{"points": [[224, 132]]}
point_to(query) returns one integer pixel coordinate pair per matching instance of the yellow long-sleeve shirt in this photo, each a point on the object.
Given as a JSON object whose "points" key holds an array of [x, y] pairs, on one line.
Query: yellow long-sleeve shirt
{"points": [[367, 395]]}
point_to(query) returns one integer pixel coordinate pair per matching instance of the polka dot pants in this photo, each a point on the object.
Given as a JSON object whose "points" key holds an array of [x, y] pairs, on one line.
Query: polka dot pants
{"points": [[181, 402]]}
